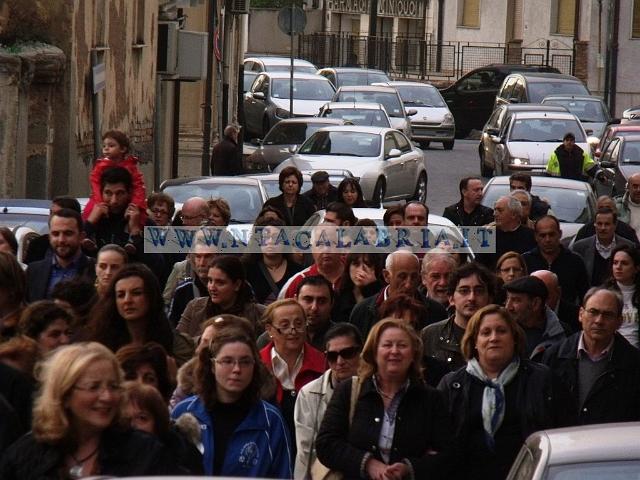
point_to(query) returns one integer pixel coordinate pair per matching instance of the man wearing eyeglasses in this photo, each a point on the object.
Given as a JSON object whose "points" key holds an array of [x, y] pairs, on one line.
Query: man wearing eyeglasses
{"points": [[471, 287], [342, 347], [600, 368]]}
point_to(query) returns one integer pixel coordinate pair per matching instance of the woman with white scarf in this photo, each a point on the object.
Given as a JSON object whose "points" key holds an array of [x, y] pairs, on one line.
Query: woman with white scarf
{"points": [[499, 397]]}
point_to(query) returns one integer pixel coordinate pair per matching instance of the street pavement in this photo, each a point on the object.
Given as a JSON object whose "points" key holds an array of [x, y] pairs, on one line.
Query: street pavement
{"points": [[445, 169]]}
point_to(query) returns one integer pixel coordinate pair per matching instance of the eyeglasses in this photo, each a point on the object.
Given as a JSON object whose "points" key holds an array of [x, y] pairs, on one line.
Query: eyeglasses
{"points": [[594, 312], [158, 211], [511, 269], [345, 353], [284, 329], [465, 291], [228, 362], [97, 388]]}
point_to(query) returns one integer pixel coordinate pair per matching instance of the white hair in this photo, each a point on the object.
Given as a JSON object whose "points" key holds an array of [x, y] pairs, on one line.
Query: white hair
{"points": [[388, 264], [513, 204]]}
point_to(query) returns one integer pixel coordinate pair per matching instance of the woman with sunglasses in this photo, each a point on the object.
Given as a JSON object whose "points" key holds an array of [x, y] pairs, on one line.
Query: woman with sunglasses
{"points": [[292, 360], [76, 429], [343, 344], [242, 435]]}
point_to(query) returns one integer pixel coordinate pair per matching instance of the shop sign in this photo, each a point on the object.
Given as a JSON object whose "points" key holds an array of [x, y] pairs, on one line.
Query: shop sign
{"points": [[348, 6], [401, 8]]}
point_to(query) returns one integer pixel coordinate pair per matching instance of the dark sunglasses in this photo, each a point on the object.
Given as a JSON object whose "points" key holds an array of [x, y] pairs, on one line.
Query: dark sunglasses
{"points": [[346, 354]]}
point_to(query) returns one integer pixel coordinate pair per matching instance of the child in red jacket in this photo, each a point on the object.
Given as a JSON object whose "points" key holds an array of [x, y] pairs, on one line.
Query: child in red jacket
{"points": [[115, 148]]}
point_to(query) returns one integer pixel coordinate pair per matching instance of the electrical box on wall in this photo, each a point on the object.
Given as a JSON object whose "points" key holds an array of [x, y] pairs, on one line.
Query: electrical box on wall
{"points": [[192, 55], [167, 55]]}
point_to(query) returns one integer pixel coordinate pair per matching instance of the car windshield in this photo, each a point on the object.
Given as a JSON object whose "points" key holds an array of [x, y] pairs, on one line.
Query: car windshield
{"points": [[389, 100], [353, 144], [38, 223], [568, 205], [539, 90], [612, 470], [303, 89], [631, 152], [545, 130], [364, 117], [287, 68], [245, 201], [585, 110], [291, 133], [420, 96], [352, 79]]}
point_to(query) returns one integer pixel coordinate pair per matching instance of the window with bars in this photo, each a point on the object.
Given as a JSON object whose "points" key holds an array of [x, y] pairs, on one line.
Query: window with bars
{"points": [[469, 13], [565, 13]]}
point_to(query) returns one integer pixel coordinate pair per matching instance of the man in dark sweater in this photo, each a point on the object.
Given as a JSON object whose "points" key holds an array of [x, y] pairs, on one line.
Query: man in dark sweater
{"points": [[469, 211], [550, 254], [224, 155]]}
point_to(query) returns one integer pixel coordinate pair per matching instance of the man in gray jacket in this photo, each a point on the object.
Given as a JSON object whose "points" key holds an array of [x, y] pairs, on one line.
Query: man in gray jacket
{"points": [[343, 344]]}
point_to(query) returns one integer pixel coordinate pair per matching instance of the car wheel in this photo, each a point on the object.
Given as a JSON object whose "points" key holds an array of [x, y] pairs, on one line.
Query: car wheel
{"points": [[484, 170], [265, 127], [421, 189], [425, 144], [448, 145], [378, 192]]}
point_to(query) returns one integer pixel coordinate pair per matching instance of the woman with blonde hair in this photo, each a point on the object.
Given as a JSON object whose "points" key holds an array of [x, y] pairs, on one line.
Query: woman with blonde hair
{"points": [[392, 425], [76, 429]]}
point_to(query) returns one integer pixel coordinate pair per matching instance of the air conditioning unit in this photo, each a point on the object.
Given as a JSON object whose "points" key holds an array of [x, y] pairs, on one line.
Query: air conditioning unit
{"points": [[238, 7], [192, 55], [167, 58]]}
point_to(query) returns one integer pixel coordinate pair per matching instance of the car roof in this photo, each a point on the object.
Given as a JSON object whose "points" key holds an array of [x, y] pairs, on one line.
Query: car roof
{"points": [[328, 121], [24, 203], [278, 60], [546, 114], [542, 76], [367, 88], [353, 69], [200, 180], [589, 443], [544, 181], [625, 127], [532, 107], [630, 138], [358, 129], [405, 83], [296, 75], [353, 105]]}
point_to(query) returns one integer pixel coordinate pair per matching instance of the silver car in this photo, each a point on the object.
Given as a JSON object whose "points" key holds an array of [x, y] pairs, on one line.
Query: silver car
{"points": [[269, 63], [267, 102], [357, 113], [285, 135], [433, 122], [386, 162], [605, 451], [387, 96], [590, 110], [530, 138]]}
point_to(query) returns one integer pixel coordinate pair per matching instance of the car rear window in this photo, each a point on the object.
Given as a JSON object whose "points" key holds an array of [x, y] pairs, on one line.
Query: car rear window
{"points": [[539, 90]]}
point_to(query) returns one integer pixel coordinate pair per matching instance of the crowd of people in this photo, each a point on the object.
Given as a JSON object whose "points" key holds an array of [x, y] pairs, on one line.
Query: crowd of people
{"points": [[114, 361]]}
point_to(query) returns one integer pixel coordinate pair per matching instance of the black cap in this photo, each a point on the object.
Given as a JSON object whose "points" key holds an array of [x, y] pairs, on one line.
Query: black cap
{"points": [[320, 176], [532, 286]]}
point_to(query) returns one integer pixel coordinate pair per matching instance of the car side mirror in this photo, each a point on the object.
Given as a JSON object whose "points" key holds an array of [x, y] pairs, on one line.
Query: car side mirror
{"points": [[293, 149], [514, 100], [607, 164], [394, 153], [496, 139], [492, 132], [258, 95], [411, 112]]}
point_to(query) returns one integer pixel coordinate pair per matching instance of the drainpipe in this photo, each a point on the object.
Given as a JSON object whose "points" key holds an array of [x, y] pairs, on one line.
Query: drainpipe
{"points": [[614, 56], [576, 34], [439, 35]]}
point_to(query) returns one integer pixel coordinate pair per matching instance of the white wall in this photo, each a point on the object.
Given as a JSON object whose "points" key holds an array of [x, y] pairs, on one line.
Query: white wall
{"points": [[493, 21]]}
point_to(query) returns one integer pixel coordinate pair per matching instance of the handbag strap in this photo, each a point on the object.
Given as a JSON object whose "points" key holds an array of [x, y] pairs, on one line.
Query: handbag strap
{"points": [[355, 392]]}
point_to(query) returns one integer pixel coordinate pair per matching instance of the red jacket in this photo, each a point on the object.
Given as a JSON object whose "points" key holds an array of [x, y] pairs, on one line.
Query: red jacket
{"points": [[313, 366], [139, 196]]}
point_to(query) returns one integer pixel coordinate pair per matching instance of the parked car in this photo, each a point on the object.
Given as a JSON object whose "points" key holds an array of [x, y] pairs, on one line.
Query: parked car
{"points": [[621, 158], [357, 113], [245, 196], [268, 63], [351, 76], [528, 140], [632, 113], [495, 127], [615, 130], [604, 451], [433, 121], [533, 87], [590, 110], [268, 100], [471, 98], [270, 181], [572, 202], [387, 96], [388, 165], [283, 136], [26, 218]]}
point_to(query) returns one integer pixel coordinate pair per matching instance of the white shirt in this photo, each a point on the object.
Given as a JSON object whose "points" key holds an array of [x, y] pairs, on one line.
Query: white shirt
{"points": [[629, 327], [281, 370]]}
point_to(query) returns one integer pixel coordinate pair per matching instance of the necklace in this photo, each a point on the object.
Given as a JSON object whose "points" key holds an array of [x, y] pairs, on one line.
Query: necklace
{"points": [[76, 470]]}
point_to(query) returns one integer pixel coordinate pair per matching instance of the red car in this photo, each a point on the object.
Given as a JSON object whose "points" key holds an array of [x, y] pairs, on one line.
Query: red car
{"points": [[616, 130]]}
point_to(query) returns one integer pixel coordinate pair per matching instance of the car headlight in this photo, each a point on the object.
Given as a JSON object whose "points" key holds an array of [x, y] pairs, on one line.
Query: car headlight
{"points": [[282, 113], [519, 161], [448, 119]]}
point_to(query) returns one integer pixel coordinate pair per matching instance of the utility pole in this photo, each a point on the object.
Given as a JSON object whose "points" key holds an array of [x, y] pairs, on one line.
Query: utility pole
{"points": [[207, 110]]}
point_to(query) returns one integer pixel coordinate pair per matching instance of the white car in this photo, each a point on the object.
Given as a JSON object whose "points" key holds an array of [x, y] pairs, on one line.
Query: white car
{"points": [[357, 113], [388, 165]]}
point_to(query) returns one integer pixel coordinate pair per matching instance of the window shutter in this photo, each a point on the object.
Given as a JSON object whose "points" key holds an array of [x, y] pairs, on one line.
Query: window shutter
{"points": [[517, 20], [471, 13], [635, 29], [566, 17]]}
